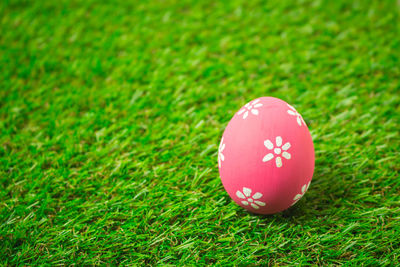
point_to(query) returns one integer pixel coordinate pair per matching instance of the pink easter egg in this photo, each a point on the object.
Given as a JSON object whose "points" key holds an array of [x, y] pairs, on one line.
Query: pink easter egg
{"points": [[266, 156]]}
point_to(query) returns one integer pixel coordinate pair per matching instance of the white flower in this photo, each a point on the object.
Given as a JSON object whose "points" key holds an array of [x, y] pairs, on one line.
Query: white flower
{"points": [[277, 151], [246, 195], [250, 107], [292, 111], [303, 191], [220, 149]]}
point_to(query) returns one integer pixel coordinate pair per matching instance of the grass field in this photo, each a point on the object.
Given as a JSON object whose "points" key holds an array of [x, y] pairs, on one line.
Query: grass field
{"points": [[111, 114]]}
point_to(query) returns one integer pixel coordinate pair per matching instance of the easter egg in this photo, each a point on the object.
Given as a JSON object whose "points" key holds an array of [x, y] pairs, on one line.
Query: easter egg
{"points": [[266, 156]]}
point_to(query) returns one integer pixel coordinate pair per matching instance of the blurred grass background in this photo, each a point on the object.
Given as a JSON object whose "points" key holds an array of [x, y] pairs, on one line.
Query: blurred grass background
{"points": [[111, 114]]}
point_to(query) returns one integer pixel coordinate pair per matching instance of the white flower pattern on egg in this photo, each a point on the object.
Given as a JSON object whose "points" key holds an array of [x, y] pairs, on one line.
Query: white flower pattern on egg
{"points": [[221, 148], [250, 107], [278, 152], [292, 111], [303, 191], [250, 200]]}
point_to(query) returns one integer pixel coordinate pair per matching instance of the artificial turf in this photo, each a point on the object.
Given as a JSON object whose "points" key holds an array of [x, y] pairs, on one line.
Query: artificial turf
{"points": [[111, 114]]}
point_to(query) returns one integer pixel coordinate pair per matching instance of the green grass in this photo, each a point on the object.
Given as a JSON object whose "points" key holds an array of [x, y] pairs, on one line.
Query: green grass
{"points": [[111, 114]]}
